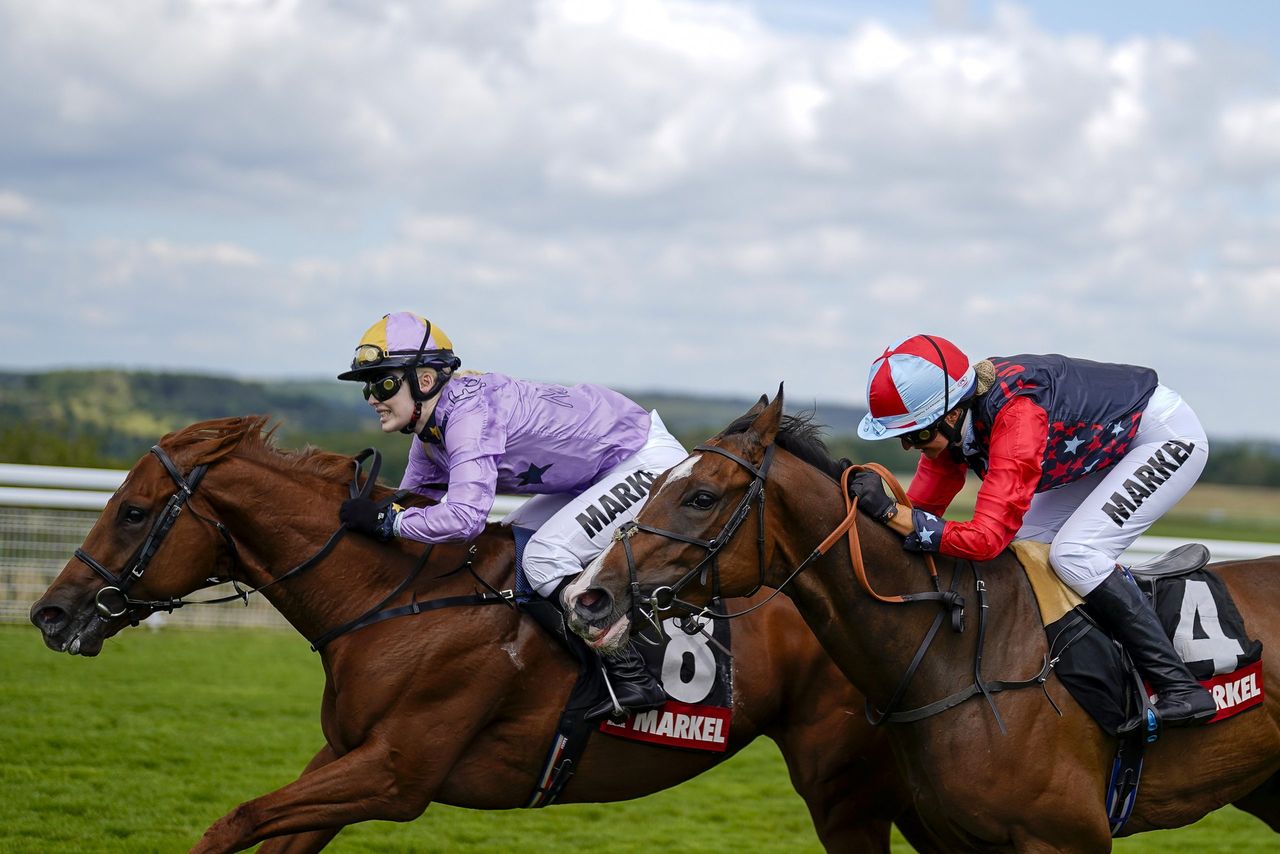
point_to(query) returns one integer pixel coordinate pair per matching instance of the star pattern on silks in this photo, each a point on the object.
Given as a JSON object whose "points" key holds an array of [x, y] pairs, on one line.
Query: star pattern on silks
{"points": [[926, 535], [533, 474], [1076, 449]]}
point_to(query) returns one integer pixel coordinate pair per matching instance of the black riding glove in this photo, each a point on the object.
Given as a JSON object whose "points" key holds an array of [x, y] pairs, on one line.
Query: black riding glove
{"points": [[868, 488], [364, 515]]}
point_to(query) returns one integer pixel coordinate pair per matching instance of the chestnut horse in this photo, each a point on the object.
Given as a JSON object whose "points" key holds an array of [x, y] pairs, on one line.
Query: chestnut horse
{"points": [[457, 705], [1040, 787]]}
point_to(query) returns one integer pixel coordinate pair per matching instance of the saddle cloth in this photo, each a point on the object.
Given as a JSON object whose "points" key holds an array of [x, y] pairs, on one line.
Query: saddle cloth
{"points": [[694, 667], [1196, 611]]}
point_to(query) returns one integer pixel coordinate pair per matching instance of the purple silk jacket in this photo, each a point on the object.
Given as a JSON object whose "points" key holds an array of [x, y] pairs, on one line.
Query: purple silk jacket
{"points": [[492, 433]]}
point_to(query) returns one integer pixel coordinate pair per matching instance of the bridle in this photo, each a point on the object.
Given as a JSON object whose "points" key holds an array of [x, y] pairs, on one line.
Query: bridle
{"points": [[667, 597], [951, 602], [113, 600]]}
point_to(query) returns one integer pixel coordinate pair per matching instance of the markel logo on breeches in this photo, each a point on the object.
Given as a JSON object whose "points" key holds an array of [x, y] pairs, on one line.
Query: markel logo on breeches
{"points": [[615, 500], [1146, 479]]}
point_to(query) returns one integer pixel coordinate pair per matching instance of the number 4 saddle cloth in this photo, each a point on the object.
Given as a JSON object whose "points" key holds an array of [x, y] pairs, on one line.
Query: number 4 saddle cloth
{"points": [[1196, 611]]}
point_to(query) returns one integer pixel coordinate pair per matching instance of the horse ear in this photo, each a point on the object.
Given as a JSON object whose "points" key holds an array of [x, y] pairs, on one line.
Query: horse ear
{"points": [[758, 407], [769, 419]]}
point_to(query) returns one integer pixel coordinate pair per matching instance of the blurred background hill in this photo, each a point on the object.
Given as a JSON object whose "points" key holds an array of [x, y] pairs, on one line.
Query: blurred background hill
{"points": [[108, 418]]}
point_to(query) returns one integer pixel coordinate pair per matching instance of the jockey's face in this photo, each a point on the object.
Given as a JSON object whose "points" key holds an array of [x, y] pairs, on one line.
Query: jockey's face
{"points": [[395, 412], [937, 441], [934, 447]]}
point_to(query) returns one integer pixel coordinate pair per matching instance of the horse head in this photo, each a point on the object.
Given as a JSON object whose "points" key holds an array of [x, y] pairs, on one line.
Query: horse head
{"points": [[704, 531], [159, 538]]}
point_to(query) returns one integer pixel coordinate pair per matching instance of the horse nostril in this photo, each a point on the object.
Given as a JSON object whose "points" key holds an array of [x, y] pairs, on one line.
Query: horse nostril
{"points": [[594, 602], [49, 618]]}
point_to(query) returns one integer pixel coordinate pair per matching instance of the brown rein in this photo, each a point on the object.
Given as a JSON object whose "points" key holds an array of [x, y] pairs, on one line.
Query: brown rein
{"points": [[849, 527]]}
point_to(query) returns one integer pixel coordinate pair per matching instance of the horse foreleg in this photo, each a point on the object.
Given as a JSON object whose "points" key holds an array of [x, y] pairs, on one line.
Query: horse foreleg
{"points": [[840, 791], [362, 785], [305, 843], [300, 843], [1264, 802]]}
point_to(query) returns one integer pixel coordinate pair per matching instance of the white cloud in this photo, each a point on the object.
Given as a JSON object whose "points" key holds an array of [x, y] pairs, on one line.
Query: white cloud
{"points": [[17, 209], [639, 192]]}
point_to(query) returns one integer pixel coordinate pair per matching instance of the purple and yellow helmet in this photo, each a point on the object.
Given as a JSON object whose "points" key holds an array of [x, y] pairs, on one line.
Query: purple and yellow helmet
{"points": [[400, 340]]}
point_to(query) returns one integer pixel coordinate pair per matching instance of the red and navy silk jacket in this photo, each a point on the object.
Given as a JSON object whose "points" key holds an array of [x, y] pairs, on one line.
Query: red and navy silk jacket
{"points": [[1047, 421]]}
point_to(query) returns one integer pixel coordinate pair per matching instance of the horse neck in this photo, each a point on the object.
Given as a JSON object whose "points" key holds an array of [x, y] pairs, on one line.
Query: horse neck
{"points": [[284, 518], [872, 642]]}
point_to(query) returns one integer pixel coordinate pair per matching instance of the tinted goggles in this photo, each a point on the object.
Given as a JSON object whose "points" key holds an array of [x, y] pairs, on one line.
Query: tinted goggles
{"points": [[369, 355], [918, 438], [383, 388]]}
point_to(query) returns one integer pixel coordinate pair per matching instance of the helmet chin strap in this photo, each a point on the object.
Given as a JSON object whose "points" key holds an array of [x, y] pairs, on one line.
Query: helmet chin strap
{"points": [[409, 429], [420, 397], [952, 431]]}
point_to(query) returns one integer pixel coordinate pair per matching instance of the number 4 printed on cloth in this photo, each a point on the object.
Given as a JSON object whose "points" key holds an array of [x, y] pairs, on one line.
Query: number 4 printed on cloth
{"points": [[1198, 604]]}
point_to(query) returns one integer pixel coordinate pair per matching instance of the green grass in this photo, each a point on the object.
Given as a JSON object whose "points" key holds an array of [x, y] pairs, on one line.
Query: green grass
{"points": [[142, 748]]}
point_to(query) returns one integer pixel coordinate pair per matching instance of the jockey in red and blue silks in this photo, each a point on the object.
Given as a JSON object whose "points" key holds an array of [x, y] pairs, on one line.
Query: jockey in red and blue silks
{"points": [[585, 453], [1082, 455]]}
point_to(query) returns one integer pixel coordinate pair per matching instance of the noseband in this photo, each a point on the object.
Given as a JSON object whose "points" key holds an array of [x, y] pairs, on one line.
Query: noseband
{"points": [[113, 600], [664, 598], [950, 601]]}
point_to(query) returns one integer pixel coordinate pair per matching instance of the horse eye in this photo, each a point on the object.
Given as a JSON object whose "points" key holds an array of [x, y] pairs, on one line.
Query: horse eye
{"points": [[702, 500], [134, 515]]}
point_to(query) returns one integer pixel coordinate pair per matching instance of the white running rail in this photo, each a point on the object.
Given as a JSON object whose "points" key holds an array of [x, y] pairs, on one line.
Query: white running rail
{"points": [[46, 512]]}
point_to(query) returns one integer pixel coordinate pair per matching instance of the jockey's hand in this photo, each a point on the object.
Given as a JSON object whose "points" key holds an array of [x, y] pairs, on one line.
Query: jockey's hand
{"points": [[364, 515], [868, 489]]}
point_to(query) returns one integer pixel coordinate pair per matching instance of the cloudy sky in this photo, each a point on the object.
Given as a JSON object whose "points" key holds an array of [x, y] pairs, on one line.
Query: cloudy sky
{"points": [[700, 195]]}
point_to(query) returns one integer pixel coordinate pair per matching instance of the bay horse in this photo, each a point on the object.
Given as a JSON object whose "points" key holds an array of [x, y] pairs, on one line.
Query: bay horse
{"points": [[456, 706], [1040, 787]]}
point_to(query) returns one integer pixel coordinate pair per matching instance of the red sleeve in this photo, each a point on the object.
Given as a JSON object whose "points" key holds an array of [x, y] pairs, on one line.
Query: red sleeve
{"points": [[1015, 459], [936, 483]]}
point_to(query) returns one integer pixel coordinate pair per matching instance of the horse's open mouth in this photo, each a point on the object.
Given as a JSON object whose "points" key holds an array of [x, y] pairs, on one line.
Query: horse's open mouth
{"points": [[607, 640], [84, 637]]}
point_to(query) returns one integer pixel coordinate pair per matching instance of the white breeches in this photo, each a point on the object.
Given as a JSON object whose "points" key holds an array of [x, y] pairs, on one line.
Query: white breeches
{"points": [[573, 529], [1091, 521]]}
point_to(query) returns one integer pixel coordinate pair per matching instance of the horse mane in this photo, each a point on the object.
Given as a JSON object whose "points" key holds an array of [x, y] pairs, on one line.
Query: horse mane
{"points": [[798, 435], [253, 437]]}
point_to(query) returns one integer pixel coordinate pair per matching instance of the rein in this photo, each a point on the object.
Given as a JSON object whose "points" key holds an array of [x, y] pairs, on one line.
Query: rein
{"points": [[113, 600], [950, 601]]}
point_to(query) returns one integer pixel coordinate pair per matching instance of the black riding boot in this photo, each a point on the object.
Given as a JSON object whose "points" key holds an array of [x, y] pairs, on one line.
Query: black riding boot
{"points": [[1128, 615], [632, 684], [628, 679]]}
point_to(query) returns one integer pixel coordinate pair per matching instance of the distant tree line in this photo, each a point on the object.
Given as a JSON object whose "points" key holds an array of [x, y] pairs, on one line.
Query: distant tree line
{"points": [[108, 419]]}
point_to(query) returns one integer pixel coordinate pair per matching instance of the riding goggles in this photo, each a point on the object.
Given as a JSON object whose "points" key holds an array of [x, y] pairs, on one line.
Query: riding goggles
{"points": [[919, 438], [383, 388], [370, 355]]}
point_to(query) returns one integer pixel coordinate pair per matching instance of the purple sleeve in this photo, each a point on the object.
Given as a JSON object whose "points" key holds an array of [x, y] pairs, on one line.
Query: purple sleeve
{"points": [[422, 470], [464, 511], [473, 443]]}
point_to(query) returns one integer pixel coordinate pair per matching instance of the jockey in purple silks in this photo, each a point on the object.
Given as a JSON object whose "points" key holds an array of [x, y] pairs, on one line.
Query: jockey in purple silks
{"points": [[585, 454]]}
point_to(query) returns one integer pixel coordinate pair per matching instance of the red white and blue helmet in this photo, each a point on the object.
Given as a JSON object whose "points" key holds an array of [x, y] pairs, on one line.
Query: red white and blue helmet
{"points": [[906, 389]]}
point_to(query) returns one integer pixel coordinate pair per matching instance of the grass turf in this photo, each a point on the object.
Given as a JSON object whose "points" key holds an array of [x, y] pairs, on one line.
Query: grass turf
{"points": [[142, 748]]}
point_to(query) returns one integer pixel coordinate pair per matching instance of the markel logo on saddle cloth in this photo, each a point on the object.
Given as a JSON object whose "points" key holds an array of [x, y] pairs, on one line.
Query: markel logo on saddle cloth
{"points": [[1195, 609], [1209, 634], [698, 678], [1235, 692]]}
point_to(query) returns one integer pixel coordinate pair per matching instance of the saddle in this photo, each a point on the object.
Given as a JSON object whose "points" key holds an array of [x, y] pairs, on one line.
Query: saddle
{"points": [[1196, 611]]}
